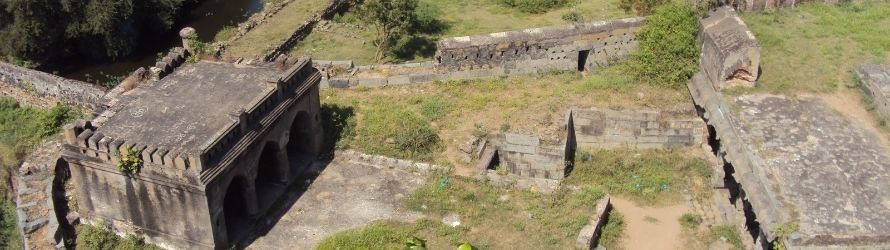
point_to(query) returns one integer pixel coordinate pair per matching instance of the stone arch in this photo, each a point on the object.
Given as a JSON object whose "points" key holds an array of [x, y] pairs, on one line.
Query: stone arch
{"points": [[300, 141], [273, 171], [238, 207]]}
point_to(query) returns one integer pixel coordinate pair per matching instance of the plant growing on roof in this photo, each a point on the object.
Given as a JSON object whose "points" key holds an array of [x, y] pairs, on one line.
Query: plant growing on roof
{"points": [[131, 161]]}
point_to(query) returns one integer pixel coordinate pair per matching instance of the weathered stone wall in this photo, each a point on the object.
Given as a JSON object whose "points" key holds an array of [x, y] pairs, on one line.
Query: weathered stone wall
{"points": [[23, 84], [603, 128], [571, 47], [875, 83], [301, 32], [730, 53], [525, 156], [759, 5]]}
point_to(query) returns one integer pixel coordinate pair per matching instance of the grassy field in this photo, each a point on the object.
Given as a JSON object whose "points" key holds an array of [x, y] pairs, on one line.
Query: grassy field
{"points": [[350, 39], [455, 110], [815, 47], [275, 30], [508, 218], [490, 218]]}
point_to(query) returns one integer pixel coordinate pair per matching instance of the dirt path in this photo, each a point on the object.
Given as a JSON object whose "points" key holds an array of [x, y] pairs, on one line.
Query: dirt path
{"points": [[642, 232]]}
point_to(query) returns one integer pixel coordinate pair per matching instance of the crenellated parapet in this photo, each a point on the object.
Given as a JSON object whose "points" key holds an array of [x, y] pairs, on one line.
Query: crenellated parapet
{"points": [[107, 150], [163, 67]]}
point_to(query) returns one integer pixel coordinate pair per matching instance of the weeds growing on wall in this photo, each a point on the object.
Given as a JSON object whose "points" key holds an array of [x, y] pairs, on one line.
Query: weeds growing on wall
{"points": [[668, 52], [131, 162]]}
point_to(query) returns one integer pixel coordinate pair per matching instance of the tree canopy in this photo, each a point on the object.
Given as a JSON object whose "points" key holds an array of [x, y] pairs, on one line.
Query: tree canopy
{"points": [[35, 31]]}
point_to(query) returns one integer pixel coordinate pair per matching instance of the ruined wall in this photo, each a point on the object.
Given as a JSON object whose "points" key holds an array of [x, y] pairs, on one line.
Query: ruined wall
{"points": [[525, 156], [730, 52], [603, 128], [301, 32], [571, 47], [163, 200], [590, 233], [23, 84], [875, 83], [759, 5]]}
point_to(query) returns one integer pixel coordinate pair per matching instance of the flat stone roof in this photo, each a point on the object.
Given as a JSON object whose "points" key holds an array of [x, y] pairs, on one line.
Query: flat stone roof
{"points": [[187, 109], [834, 173]]}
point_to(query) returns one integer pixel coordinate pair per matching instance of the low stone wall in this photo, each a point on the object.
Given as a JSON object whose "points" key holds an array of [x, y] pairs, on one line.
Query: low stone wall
{"points": [[590, 234], [875, 83], [301, 32], [379, 161], [35, 205], [24, 84], [603, 128], [730, 52], [759, 5], [569, 47], [525, 156]]}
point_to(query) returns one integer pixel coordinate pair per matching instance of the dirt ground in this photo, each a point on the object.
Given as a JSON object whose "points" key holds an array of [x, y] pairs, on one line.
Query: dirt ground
{"points": [[651, 228]]}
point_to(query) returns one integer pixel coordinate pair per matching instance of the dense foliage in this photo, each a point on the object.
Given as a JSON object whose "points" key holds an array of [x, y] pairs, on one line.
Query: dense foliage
{"points": [[102, 238], [668, 52], [534, 6], [34, 31], [640, 7]]}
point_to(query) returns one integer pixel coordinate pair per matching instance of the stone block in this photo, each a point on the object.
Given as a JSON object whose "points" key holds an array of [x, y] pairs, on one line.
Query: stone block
{"points": [[731, 54]]}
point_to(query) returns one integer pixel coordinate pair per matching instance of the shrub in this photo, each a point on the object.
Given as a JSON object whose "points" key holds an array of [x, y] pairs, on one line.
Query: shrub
{"points": [[668, 52], [101, 237], [534, 6], [572, 17], [640, 7], [690, 221], [397, 132]]}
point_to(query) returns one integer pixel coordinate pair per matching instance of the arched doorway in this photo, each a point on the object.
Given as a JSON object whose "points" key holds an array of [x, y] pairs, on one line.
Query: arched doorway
{"points": [[235, 209], [300, 143], [272, 174]]}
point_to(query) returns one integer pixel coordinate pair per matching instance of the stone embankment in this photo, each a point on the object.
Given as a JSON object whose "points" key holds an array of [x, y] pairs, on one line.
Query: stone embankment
{"points": [[35, 88]]}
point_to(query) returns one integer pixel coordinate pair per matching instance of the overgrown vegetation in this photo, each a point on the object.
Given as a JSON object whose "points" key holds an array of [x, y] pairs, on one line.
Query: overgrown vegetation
{"points": [[690, 221], [9, 234], [394, 131], [612, 231], [668, 52], [534, 6], [815, 47], [640, 7], [131, 161], [339, 124], [649, 176], [725, 233], [33, 32], [101, 237]]}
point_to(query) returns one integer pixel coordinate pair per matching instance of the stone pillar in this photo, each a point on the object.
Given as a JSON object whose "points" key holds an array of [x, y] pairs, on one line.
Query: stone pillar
{"points": [[251, 203], [283, 166], [186, 34]]}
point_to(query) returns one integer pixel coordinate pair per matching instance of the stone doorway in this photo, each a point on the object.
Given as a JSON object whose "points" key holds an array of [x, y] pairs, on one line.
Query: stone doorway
{"points": [[582, 60]]}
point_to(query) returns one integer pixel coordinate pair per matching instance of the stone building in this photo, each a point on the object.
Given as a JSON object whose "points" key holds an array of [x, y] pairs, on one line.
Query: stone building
{"points": [[218, 144]]}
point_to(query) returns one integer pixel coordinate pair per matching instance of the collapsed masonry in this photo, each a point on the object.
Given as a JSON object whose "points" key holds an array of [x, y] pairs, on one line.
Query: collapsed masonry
{"points": [[796, 172], [530, 162]]}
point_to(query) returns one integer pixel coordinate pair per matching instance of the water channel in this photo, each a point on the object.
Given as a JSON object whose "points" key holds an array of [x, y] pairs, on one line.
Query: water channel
{"points": [[206, 16]]}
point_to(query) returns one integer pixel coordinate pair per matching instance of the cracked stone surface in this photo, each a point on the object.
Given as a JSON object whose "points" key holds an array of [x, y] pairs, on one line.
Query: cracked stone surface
{"points": [[833, 172]]}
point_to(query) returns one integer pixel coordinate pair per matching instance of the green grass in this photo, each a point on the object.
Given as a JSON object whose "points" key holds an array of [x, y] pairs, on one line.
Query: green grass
{"points": [[101, 238], [612, 231], [648, 176], [350, 39], [491, 218], [815, 47], [9, 234], [725, 232], [398, 132], [532, 104], [275, 30], [690, 221]]}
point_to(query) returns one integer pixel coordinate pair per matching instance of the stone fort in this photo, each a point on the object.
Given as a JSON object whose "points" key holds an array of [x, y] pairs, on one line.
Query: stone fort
{"points": [[219, 142]]}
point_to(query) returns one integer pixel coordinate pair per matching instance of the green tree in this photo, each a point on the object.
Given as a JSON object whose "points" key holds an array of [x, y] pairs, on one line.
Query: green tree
{"points": [[392, 20]]}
